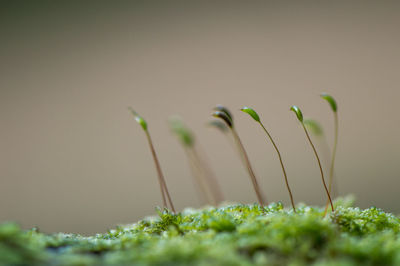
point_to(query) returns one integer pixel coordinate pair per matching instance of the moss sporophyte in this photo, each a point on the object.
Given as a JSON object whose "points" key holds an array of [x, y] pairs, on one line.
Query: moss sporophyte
{"points": [[228, 234], [299, 115], [161, 179], [256, 118], [334, 108], [223, 113], [204, 176]]}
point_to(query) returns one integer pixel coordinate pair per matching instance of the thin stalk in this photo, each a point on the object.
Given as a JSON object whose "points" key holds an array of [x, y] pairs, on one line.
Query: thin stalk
{"points": [[331, 170], [253, 178], [161, 179], [326, 151], [319, 164], [201, 182], [209, 175], [283, 168]]}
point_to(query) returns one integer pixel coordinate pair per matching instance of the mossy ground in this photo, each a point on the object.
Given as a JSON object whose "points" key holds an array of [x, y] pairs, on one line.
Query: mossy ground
{"points": [[229, 235]]}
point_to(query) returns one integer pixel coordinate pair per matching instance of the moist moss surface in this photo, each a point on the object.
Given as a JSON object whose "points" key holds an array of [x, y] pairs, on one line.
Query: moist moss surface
{"points": [[229, 235]]}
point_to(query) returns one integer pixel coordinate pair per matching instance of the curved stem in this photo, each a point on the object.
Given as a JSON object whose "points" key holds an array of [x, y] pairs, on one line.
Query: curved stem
{"points": [[163, 185], [319, 164], [332, 167], [283, 168], [253, 178]]}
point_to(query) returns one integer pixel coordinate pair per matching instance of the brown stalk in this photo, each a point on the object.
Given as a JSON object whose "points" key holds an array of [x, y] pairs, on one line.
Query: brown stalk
{"points": [[253, 178], [283, 168], [209, 176], [332, 167], [161, 179], [319, 164], [196, 169]]}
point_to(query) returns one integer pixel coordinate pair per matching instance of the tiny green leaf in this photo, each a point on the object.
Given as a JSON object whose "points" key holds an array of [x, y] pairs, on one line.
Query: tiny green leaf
{"points": [[298, 112], [224, 110], [251, 112], [218, 124], [139, 119], [223, 116], [179, 128], [330, 100], [314, 126]]}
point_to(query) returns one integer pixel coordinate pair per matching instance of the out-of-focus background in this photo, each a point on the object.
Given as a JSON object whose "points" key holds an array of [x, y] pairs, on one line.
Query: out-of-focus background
{"points": [[72, 158]]}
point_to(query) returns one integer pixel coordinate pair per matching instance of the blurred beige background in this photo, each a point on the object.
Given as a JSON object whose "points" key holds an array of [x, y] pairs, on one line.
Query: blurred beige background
{"points": [[73, 159]]}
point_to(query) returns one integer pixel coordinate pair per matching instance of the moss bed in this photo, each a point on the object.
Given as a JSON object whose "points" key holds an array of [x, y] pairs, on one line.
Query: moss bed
{"points": [[228, 235]]}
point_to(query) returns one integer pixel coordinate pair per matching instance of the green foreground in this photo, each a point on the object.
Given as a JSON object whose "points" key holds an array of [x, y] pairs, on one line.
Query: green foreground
{"points": [[229, 235]]}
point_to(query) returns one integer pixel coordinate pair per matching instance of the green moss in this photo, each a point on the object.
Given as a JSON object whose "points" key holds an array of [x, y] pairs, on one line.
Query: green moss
{"points": [[228, 235]]}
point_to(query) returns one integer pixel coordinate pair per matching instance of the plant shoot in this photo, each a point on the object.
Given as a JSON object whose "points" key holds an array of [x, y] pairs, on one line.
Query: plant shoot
{"points": [[205, 178], [256, 117], [224, 114], [161, 179], [299, 115], [333, 105]]}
